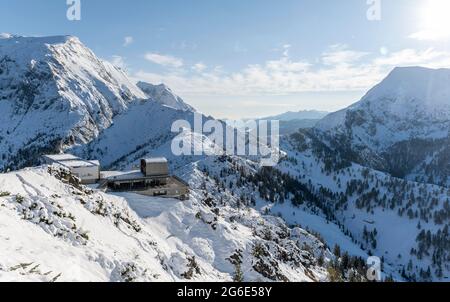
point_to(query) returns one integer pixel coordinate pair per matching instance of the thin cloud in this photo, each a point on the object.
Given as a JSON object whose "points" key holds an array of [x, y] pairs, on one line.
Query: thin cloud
{"points": [[118, 61], [199, 67], [164, 60], [128, 41], [430, 35], [410, 57], [286, 49], [341, 54], [339, 68]]}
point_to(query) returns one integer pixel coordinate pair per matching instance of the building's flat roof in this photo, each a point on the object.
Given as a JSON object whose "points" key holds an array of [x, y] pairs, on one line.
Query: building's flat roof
{"points": [[156, 160], [79, 163], [61, 157], [71, 161], [173, 182], [95, 162], [118, 175]]}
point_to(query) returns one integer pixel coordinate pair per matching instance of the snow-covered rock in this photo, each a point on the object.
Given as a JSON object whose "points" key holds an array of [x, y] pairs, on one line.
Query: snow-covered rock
{"points": [[53, 229], [401, 126], [367, 211], [164, 95], [54, 93], [412, 102]]}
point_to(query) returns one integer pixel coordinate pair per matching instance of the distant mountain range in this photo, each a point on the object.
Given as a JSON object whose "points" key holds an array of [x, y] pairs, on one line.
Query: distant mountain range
{"points": [[291, 122], [300, 115]]}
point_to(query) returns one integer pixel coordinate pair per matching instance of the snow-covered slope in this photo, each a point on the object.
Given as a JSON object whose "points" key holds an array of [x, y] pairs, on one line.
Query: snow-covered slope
{"points": [[403, 222], [410, 103], [400, 126], [54, 92], [145, 130], [53, 229], [164, 95], [144, 127]]}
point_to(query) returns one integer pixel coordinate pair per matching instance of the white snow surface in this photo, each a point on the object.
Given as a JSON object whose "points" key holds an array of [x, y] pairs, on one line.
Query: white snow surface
{"points": [[164, 95], [396, 234], [412, 102], [54, 92], [51, 230]]}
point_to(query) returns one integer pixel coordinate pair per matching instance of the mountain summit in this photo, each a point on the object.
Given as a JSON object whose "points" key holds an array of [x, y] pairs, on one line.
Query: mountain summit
{"points": [[54, 93], [400, 126], [409, 89], [165, 96], [409, 94]]}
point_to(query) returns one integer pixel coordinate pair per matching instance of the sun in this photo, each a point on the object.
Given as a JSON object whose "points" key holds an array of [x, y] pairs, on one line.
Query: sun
{"points": [[435, 20]]}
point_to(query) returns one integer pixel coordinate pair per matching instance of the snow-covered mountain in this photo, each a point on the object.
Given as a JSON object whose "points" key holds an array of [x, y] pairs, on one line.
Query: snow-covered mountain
{"points": [[143, 128], [401, 126], [300, 115], [62, 231], [164, 95], [54, 93], [404, 223], [290, 127], [411, 102], [291, 122], [137, 134], [69, 99], [373, 170]]}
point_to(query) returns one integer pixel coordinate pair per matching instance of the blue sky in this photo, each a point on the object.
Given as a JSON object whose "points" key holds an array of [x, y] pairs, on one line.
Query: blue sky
{"points": [[234, 58]]}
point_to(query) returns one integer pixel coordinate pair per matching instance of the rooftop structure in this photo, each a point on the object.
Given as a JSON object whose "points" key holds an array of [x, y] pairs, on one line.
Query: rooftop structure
{"points": [[158, 166], [78, 163], [153, 179], [52, 158], [137, 182], [87, 170], [156, 160]]}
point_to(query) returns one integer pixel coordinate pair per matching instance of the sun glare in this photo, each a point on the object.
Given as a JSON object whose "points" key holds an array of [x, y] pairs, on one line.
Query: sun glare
{"points": [[435, 19]]}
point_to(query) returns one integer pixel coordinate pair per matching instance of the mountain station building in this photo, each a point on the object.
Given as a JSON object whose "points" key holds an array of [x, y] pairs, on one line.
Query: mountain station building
{"points": [[88, 171], [153, 178]]}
